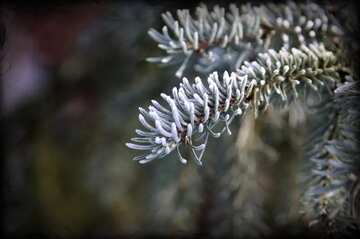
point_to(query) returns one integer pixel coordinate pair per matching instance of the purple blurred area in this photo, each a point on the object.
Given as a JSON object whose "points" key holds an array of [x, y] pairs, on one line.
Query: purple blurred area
{"points": [[35, 41]]}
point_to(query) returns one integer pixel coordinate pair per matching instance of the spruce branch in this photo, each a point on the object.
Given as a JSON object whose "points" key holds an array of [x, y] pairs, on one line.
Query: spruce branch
{"points": [[196, 109], [291, 25], [205, 36], [224, 39], [331, 192], [275, 53]]}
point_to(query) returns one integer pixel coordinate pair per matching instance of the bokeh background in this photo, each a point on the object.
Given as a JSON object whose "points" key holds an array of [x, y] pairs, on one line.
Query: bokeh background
{"points": [[72, 78]]}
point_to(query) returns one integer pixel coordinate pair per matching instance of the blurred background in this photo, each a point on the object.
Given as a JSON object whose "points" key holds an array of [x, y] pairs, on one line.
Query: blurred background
{"points": [[72, 78]]}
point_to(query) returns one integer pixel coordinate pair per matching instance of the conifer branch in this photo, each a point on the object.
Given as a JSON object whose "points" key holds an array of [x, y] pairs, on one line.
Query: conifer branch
{"points": [[274, 53], [291, 25], [332, 152], [221, 39], [195, 109]]}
